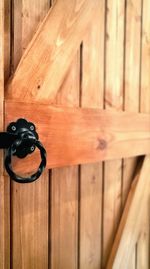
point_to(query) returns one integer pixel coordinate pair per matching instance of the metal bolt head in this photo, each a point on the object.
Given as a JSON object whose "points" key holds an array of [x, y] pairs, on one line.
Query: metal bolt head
{"points": [[13, 127], [32, 148], [32, 128]]}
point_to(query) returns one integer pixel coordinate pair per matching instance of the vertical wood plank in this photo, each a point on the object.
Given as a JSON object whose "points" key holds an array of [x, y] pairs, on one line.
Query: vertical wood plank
{"points": [[29, 202], [132, 77], [4, 180], [64, 189], [7, 71], [2, 184], [113, 100], [132, 86], [91, 175], [143, 245], [7, 38], [64, 218]]}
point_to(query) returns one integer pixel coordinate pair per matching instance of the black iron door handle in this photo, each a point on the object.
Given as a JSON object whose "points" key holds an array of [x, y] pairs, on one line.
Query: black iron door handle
{"points": [[21, 139]]}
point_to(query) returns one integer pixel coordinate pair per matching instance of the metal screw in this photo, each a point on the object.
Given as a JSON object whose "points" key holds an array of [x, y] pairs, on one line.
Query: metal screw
{"points": [[32, 128], [32, 148], [13, 128]]}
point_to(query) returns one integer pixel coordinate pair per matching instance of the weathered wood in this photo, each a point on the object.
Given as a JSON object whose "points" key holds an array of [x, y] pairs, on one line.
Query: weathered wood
{"points": [[73, 135], [113, 100], [53, 47], [130, 224], [91, 175], [29, 203]]}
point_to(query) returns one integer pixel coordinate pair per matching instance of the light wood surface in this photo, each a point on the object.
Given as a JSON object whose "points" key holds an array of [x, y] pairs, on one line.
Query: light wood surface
{"points": [[74, 136], [143, 245], [113, 100], [132, 87], [53, 46], [131, 221]]}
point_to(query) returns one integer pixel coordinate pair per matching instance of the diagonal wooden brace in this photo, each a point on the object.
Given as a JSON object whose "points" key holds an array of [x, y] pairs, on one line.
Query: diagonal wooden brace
{"points": [[130, 224], [46, 61]]}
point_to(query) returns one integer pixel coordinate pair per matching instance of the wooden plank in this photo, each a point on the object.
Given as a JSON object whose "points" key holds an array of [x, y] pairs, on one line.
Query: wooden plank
{"points": [[4, 180], [29, 204], [130, 224], [2, 185], [7, 15], [74, 135], [132, 70], [143, 245], [131, 87], [64, 189], [54, 49], [7, 70], [91, 174], [113, 100]]}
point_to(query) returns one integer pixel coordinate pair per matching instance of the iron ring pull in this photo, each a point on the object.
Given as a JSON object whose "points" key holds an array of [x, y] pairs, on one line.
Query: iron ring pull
{"points": [[20, 140], [11, 151]]}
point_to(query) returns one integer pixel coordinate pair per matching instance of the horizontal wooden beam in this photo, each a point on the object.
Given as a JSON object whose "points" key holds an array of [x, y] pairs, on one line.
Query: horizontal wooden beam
{"points": [[45, 62], [130, 225], [74, 135]]}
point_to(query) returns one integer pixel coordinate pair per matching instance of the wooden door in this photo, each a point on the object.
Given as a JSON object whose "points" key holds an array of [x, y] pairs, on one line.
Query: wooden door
{"points": [[99, 66]]}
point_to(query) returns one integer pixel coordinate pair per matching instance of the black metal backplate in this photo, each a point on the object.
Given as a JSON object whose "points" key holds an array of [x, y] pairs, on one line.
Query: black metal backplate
{"points": [[22, 129]]}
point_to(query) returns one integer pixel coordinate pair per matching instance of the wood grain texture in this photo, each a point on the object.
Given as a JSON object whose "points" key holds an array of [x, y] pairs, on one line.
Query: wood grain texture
{"points": [[4, 180], [118, 237], [131, 221], [2, 185], [143, 246], [132, 69], [131, 87], [64, 188], [74, 135], [64, 218], [7, 71], [74, 195], [91, 174], [30, 224], [113, 101], [7, 38], [52, 49], [29, 203]]}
